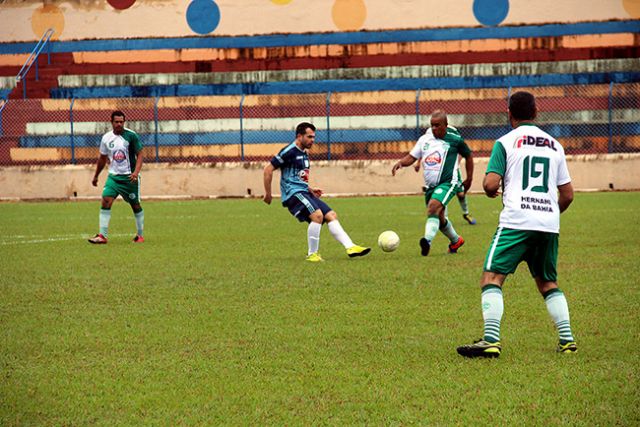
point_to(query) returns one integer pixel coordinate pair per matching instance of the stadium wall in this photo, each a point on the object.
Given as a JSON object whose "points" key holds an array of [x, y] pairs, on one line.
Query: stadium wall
{"points": [[343, 178]]}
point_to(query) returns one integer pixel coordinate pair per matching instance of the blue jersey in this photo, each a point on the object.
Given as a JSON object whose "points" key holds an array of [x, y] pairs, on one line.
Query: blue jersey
{"points": [[294, 168]]}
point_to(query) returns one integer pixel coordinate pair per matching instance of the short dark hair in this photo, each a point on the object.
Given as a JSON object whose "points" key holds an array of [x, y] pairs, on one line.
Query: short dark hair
{"points": [[301, 129], [522, 106], [117, 113]]}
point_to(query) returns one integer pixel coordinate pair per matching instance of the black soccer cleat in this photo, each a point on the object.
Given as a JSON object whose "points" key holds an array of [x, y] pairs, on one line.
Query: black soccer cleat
{"points": [[480, 348], [425, 246]]}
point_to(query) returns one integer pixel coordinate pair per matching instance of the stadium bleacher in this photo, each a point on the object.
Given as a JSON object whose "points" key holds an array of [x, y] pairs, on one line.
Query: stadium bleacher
{"points": [[370, 93]]}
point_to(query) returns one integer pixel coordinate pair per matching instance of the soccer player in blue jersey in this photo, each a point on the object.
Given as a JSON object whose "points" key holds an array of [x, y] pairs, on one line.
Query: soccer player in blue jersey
{"points": [[303, 201]]}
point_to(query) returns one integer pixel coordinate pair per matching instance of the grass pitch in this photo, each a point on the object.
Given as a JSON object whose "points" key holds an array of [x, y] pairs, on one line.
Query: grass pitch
{"points": [[216, 319]]}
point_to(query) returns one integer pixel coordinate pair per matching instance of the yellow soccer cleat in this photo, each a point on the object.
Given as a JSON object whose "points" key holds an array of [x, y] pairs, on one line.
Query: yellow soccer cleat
{"points": [[314, 257], [481, 348], [566, 348], [356, 250]]}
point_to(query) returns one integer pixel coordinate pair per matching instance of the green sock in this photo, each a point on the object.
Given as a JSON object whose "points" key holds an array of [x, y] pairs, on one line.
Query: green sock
{"points": [[431, 227], [492, 309], [559, 311]]}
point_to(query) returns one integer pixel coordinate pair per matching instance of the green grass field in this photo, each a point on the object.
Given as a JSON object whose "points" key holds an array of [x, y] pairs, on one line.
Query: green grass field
{"points": [[217, 319]]}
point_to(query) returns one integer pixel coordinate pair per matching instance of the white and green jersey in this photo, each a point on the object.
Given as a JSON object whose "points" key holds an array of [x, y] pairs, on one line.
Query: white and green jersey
{"points": [[532, 165], [122, 151], [439, 157]]}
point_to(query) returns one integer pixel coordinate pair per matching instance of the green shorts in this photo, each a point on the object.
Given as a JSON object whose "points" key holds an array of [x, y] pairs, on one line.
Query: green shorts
{"points": [[442, 193], [122, 185], [509, 247]]}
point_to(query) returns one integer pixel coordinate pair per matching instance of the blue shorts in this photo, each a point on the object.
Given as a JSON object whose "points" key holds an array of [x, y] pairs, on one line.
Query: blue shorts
{"points": [[303, 204]]}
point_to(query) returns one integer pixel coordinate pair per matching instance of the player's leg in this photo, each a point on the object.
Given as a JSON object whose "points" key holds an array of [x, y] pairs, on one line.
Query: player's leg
{"points": [[542, 265], [133, 196], [109, 194], [444, 194], [505, 253], [338, 233], [464, 206], [302, 206]]}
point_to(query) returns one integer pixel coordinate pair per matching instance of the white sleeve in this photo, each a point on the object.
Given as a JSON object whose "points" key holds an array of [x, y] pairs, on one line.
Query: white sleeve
{"points": [[563, 172], [103, 146], [416, 151]]}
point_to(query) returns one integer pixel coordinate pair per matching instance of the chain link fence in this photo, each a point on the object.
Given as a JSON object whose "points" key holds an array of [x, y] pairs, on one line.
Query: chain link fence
{"points": [[355, 125]]}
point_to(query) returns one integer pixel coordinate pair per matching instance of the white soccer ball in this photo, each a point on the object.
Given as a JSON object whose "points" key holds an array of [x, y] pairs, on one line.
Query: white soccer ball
{"points": [[388, 241]]}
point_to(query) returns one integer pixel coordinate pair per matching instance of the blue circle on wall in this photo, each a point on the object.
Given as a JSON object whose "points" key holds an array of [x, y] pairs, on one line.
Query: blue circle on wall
{"points": [[490, 12], [203, 16]]}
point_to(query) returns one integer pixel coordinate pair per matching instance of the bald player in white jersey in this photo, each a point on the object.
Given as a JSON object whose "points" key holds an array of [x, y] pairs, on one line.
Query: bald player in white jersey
{"points": [[531, 167]]}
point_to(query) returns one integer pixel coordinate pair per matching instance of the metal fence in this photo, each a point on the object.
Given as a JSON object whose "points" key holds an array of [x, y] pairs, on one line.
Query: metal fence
{"points": [[354, 125]]}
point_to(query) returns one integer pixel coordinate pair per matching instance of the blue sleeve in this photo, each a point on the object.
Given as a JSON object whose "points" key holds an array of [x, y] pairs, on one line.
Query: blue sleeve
{"points": [[284, 157]]}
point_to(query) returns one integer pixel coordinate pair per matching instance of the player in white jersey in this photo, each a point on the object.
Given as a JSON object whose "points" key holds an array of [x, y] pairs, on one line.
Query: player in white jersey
{"points": [[123, 149], [437, 151], [530, 166]]}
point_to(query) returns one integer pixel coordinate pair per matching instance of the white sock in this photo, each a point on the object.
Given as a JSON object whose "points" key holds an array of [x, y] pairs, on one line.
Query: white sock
{"points": [[431, 228], [492, 309], [139, 222], [339, 234], [559, 311], [313, 237], [105, 216], [450, 232], [463, 205]]}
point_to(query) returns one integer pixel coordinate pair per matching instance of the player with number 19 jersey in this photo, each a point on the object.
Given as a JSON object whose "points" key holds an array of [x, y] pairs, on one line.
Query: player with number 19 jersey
{"points": [[537, 166]]}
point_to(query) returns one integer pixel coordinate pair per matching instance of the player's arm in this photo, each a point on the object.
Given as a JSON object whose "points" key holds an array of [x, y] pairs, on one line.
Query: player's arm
{"points": [[491, 184], [468, 166], [136, 172], [102, 161], [403, 162], [267, 177], [565, 196]]}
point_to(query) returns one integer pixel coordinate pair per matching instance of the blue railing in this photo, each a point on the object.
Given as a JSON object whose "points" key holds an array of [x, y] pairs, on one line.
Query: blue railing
{"points": [[33, 58]]}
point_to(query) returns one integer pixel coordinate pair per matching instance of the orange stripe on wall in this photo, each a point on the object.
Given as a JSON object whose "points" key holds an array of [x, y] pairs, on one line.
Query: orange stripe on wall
{"points": [[322, 51]]}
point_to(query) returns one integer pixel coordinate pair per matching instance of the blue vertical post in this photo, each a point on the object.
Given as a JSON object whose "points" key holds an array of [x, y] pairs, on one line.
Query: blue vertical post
{"points": [[24, 87], [2, 107], [610, 145], [242, 128], [418, 113], [155, 134], [73, 144], [328, 114], [49, 52]]}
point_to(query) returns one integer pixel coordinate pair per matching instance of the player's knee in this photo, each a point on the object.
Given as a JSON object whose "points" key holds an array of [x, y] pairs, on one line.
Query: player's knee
{"points": [[316, 216], [330, 216]]}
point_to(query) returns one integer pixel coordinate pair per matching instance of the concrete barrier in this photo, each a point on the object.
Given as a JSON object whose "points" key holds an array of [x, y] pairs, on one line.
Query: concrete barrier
{"points": [[365, 177]]}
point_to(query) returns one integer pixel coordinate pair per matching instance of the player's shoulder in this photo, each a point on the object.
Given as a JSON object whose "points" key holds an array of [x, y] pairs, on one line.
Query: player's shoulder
{"points": [[128, 133]]}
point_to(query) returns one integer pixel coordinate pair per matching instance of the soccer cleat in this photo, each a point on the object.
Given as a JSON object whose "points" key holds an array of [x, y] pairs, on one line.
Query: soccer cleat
{"points": [[356, 250], [453, 247], [314, 257], [566, 348], [138, 239], [424, 246], [471, 220], [480, 348], [98, 239]]}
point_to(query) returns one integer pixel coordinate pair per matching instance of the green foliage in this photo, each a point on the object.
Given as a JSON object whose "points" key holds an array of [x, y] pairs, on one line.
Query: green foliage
{"points": [[217, 319]]}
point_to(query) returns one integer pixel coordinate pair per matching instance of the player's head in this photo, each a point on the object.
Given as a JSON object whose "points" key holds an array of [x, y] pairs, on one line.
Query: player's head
{"points": [[522, 107], [439, 123], [117, 121], [305, 135]]}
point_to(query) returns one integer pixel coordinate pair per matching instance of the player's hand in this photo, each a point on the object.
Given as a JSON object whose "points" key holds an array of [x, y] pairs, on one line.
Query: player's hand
{"points": [[395, 168], [417, 166], [466, 184], [94, 181], [267, 198], [317, 192], [133, 177]]}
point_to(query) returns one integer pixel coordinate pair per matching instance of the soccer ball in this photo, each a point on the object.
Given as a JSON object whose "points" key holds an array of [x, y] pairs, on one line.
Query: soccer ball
{"points": [[388, 241]]}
